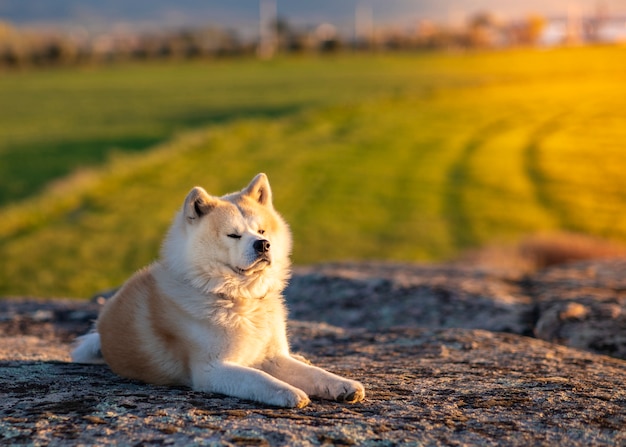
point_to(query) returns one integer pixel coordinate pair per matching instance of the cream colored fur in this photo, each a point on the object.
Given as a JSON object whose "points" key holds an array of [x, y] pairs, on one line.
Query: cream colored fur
{"points": [[210, 314]]}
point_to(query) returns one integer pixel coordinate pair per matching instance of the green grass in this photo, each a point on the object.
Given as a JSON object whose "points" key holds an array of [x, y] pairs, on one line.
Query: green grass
{"points": [[390, 157], [57, 121]]}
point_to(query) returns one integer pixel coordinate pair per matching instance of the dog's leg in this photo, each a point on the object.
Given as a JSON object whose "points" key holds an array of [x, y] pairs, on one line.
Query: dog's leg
{"points": [[247, 383], [314, 381], [87, 349]]}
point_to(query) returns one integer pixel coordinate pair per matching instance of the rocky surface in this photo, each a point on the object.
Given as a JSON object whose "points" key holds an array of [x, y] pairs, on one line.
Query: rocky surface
{"points": [[582, 305], [375, 296], [444, 353]]}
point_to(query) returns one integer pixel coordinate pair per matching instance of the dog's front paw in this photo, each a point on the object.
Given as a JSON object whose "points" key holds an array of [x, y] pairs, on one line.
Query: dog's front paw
{"points": [[291, 398], [351, 392]]}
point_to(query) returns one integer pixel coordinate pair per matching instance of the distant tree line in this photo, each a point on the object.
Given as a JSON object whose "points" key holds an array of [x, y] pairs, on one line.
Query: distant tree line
{"points": [[30, 48]]}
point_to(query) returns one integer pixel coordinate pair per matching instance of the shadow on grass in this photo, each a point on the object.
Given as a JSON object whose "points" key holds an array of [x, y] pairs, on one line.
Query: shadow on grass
{"points": [[26, 170], [539, 181], [459, 178], [198, 118]]}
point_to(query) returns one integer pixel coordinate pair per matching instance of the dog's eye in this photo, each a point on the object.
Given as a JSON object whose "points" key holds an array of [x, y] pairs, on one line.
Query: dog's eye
{"points": [[261, 231], [234, 236]]}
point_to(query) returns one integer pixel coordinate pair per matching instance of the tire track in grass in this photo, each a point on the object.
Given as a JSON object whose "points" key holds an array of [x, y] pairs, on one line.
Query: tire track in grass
{"points": [[459, 177], [538, 179]]}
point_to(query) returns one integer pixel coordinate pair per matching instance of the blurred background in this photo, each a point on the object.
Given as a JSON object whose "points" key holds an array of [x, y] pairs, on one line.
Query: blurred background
{"points": [[393, 130]]}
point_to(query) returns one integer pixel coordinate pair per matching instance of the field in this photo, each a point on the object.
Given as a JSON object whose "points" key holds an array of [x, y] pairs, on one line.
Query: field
{"points": [[403, 157]]}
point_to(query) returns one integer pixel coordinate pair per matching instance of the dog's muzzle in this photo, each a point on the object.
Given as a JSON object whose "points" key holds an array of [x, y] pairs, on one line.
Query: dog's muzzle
{"points": [[258, 258]]}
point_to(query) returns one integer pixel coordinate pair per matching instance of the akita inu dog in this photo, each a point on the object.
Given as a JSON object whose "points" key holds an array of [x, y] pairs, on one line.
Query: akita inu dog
{"points": [[210, 314]]}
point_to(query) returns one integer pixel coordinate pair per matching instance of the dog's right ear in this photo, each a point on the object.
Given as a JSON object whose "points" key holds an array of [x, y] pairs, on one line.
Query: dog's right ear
{"points": [[197, 204]]}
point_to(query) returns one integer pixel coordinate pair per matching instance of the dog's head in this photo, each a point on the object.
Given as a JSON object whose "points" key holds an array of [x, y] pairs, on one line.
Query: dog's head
{"points": [[234, 244]]}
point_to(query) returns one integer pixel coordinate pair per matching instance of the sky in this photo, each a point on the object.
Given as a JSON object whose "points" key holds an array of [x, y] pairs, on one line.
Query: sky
{"points": [[245, 13]]}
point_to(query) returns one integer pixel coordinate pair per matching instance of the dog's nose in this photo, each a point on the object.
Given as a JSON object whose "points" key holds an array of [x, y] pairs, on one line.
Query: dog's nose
{"points": [[261, 246]]}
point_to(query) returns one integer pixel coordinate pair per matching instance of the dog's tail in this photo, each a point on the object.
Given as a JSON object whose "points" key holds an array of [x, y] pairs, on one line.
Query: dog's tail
{"points": [[87, 349]]}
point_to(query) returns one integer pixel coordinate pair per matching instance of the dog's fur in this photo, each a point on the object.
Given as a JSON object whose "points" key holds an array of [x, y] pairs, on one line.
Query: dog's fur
{"points": [[210, 313]]}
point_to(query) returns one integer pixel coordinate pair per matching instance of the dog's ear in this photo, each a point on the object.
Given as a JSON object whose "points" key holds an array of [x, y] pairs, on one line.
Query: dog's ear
{"points": [[197, 204], [259, 190]]}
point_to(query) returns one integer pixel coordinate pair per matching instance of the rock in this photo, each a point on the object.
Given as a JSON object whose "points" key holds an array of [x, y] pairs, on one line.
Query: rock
{"points": [[428, 342], [382, 295], [435, 387], [583, 305], [45, 318]]}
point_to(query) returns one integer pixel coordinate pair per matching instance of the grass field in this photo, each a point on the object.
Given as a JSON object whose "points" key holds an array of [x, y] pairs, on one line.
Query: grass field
{"points": [[384, 157]]}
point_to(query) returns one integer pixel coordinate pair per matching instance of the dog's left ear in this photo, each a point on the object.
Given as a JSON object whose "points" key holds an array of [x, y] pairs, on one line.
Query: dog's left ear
{"points": [[259, 190], [197, 204]]}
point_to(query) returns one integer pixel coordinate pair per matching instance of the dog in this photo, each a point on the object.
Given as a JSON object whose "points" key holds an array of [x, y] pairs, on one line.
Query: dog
{"points": [[209, 314]]}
